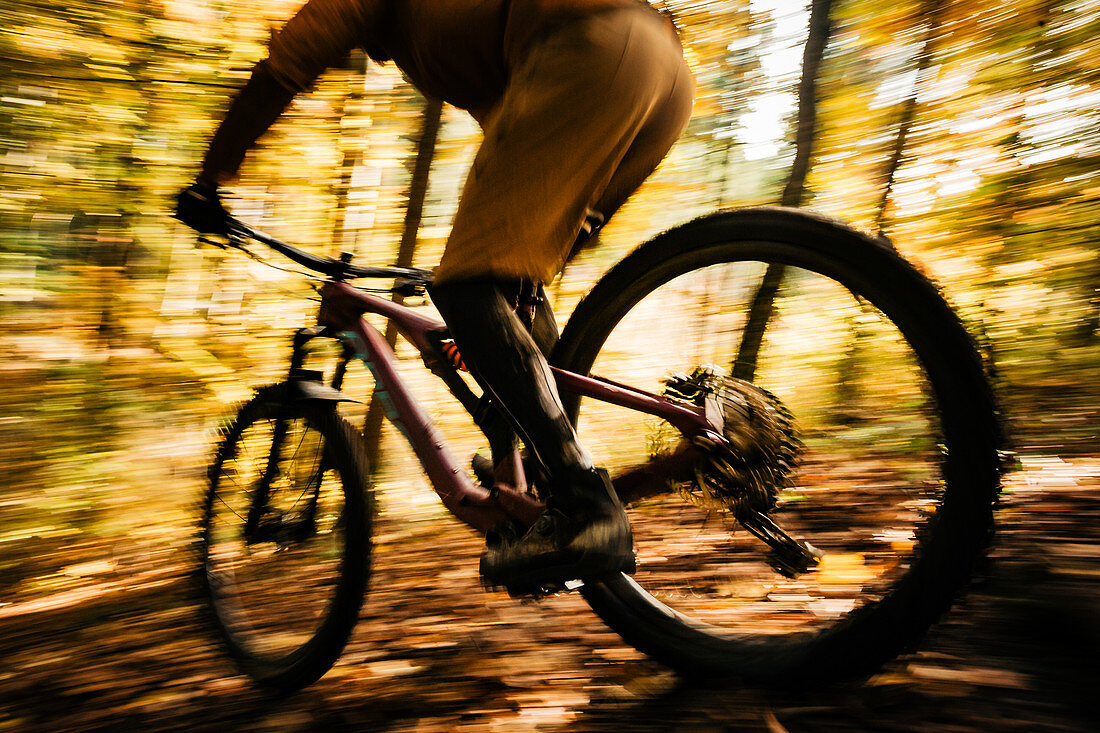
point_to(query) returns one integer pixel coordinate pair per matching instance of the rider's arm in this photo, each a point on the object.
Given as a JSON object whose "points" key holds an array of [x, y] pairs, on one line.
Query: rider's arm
{"points": [[257, 105], [320, 35]]}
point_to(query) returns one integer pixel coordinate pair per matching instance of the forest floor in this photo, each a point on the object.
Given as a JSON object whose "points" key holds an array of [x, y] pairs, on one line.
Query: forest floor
{"points": [[434, 652]]}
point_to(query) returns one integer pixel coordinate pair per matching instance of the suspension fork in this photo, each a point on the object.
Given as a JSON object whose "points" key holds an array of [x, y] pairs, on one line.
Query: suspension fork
{"points": [[346, 355], [262, 491]]}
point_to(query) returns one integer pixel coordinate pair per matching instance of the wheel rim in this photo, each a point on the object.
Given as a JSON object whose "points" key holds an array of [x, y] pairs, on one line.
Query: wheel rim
{"points": [[872, 471], [272, 587]]}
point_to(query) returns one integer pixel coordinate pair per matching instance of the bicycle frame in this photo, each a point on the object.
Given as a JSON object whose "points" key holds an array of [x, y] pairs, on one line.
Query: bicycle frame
{"points": [[342, 310]]}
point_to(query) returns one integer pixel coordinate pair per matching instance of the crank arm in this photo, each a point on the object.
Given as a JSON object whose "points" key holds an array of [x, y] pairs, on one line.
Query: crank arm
{"points": [[658, 476]]}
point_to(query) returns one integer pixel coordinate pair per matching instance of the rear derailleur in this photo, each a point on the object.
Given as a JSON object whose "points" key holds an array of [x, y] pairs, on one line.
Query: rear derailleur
{"points": [[749, 462]]}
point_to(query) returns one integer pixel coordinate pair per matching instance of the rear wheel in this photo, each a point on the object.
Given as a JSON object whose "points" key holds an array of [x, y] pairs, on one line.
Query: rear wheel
{"points": [[897, 467], [285, 537]]}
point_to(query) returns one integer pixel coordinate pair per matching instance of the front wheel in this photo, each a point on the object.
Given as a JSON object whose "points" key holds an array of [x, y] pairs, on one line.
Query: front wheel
{"points": [[285, 537], [897, 462]]}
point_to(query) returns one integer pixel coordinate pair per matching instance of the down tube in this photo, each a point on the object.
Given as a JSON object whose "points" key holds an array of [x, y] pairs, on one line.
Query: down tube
{"points": [[460, 495]]}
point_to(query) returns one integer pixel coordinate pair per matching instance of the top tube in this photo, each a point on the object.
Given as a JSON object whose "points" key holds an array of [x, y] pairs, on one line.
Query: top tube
{"points": [[337, 269]]}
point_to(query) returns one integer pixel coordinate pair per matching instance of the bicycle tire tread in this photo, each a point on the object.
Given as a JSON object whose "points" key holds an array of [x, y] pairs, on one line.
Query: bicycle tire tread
{"points": [[866, 638], [313, 659]]}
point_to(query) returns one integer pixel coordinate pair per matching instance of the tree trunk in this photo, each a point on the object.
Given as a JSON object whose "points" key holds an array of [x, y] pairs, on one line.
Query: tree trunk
{"points": [[932, 13], [847, 408], [1088, 327], [763, 303], [760, 312], [350, 157], [414, 210]]}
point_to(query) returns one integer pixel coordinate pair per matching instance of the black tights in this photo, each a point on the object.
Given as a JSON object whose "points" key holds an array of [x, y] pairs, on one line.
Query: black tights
{"points": [[509, 363]]}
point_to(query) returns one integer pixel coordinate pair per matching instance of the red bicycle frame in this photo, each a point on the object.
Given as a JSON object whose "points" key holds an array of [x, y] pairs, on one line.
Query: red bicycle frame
{"points": [[342, 310]]}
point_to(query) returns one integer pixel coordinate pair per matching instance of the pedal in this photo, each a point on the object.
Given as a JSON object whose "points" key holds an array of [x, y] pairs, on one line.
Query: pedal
{"points": [[532, 592], [790, 561], [789, 556], [520, 589]]}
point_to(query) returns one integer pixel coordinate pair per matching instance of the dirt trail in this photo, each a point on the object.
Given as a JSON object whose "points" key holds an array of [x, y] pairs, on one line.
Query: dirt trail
{"points": [[433, 652]]}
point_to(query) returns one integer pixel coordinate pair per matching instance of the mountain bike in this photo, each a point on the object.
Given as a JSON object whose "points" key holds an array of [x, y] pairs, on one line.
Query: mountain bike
{"points": [[807, 524]]}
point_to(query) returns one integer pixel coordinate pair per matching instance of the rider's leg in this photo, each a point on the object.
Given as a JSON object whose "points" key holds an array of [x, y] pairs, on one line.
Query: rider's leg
{"points": [[544, 331], [569, 120], [544, 328], [601, 97], [585, 533], [509, 364]]}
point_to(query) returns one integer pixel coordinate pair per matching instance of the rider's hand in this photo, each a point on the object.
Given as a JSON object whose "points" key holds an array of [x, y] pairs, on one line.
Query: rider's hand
{"points": [[200, 207]]}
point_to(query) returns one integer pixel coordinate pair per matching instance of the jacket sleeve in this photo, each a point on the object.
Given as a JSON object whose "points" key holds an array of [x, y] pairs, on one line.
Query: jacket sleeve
{"points": [[320, 35]]}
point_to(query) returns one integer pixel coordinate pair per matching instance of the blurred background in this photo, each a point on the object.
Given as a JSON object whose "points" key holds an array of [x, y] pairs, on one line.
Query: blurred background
{"points": [[967, 132]]}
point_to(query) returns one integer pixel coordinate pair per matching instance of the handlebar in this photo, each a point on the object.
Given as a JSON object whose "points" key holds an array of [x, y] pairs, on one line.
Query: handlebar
{"points": [[337, 269]]}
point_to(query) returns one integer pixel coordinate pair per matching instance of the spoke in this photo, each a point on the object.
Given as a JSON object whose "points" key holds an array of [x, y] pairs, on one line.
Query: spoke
{"points": [[219, 496], [318, 458], [253, 458]]}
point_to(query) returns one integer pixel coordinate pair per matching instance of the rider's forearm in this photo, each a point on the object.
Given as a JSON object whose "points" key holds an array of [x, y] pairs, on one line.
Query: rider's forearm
{"points": [[319, 36], [257, 106]]}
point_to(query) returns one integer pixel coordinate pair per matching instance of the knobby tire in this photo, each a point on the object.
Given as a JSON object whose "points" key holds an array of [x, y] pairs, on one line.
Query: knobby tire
{"points": [[947, 548], [343, 455]]}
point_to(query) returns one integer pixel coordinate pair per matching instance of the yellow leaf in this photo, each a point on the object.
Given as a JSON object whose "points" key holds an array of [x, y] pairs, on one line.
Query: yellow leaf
{"points": [[844, 569]]}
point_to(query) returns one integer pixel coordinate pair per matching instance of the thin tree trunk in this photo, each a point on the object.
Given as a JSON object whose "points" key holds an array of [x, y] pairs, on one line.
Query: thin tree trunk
{"points": [[847, 409], [932, 12], [1088, 327], [818, 38], [343, 191], [763, 303], [350, 158], [414, 211], [723, 177], [760, 312]]}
